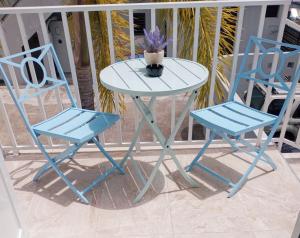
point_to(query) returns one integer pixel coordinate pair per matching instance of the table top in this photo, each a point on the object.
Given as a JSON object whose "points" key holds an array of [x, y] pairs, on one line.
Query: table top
{"points": [[130, 77]]}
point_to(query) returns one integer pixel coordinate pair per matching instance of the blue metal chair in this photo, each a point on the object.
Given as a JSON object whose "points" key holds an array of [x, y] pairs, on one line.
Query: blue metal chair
{"points": [[76, 125], [232, 119]]}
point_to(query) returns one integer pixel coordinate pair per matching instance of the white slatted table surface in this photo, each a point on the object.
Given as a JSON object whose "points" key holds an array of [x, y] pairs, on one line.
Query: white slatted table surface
{"points": [[130, 77], [179, 76]]}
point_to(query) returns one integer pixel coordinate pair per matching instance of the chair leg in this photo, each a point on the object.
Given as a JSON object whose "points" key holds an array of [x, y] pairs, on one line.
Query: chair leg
{"points": [[201, 152], [107, 155], [67, 154], [236, 187], [45, 168], [269, 161], [266, 159], [70, 185], [55, 167]]}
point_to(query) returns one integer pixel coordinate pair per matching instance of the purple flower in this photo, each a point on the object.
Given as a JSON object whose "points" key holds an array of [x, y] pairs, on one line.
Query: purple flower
{"points": [[154, 42]]}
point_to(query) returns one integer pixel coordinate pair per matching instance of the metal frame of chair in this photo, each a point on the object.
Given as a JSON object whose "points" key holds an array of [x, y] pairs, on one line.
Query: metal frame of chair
{"points": [[232, 119], [76, 125]]}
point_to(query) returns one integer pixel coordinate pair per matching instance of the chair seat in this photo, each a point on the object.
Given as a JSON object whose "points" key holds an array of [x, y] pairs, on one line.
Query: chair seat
{"points": [[76, 125], [233, 118]]}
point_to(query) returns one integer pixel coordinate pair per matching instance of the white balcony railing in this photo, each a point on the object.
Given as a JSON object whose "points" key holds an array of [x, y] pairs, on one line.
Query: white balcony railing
{"points": [[20, 14]]}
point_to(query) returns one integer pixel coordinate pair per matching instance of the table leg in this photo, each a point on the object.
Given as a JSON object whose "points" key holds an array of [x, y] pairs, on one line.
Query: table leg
{"points": [[165, 143], [151, 177], [136, 134]]}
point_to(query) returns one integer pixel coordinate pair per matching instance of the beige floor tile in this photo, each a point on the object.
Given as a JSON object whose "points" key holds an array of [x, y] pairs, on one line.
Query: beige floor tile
{"points": [[272, 234], [267, 206]]}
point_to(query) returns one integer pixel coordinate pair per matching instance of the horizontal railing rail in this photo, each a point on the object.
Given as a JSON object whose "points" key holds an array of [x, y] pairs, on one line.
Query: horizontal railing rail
{"points": [[22, 13], [140, 6]]}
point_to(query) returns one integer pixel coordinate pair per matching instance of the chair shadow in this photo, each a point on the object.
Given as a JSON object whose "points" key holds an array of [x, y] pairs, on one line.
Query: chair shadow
{"points": [[208, 185], [116, 192]]}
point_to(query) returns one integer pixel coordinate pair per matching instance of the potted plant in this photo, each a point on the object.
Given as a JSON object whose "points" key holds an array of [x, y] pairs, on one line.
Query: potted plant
{"points": [[154, 46]]}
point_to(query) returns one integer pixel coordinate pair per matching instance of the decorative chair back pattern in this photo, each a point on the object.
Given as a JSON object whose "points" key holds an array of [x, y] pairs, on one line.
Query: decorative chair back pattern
{"points": [[261, 73], [33, 89]]}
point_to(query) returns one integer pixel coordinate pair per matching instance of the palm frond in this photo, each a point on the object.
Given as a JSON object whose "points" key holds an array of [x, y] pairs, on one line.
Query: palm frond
{"points": [[207, 29], [101, 49]]}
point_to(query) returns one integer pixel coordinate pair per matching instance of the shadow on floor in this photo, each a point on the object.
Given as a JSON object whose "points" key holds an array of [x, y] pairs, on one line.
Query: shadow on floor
{"points": [[117, 192], [208, 185]]}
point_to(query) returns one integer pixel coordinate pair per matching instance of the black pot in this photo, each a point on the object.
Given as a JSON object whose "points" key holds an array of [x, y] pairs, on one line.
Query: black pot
{"points": [[154, 70]]}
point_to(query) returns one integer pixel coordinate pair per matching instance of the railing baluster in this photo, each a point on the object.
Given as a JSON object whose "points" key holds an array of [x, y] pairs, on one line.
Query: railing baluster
{"points": [[236, 47], [153, 24], [195, 56], [214, 62], [10, 68], [215, 58], [274, 66], [174, 54], [8, 124], [31, 68], [196, 34], [256, 56], [287, 118], [113, 60], [13, 77], [50, 60], [153, 19], [110, 37], [272, 71], [275, 57], [70, 56], [92, 58], [131, 34], [132, 54], [256, 52], [93, 66], [175, 19]]}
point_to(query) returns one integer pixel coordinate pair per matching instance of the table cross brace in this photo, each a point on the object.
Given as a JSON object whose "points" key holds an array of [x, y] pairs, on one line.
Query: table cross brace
{"points": [[146, 111]]}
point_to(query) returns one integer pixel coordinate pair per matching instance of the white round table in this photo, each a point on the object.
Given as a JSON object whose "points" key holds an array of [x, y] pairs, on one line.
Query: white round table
{"points": [[130, 77], [179, 76]]}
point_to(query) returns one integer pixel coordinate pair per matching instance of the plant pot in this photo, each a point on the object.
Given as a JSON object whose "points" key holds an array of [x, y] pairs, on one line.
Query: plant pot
{"points": [[154, 70], [154, 58]]}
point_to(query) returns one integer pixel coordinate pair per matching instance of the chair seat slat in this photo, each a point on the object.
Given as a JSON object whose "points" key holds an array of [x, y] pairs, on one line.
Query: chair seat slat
{"points": [[94, 127], [75, 122], [76, 125], [250, 111], [58, 119], [233, 118], [207, 117], [244, 118]]}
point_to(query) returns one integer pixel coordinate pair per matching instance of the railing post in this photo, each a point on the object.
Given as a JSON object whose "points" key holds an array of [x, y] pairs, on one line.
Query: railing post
{"points": [[274, 65], [195, 56], [70, 56]]}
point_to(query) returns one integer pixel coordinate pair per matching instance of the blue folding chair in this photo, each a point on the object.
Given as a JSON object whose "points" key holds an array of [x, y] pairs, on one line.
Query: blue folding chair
{"points": [[76, 125], [232, 119]]}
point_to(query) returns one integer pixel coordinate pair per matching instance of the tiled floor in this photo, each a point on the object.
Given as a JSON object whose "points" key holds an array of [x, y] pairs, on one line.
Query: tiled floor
{"points": [[267, 206]]}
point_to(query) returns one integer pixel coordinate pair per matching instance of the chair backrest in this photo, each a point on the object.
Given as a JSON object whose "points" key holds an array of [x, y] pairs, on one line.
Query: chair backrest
{"points": [[266, 74], [21, 63]]}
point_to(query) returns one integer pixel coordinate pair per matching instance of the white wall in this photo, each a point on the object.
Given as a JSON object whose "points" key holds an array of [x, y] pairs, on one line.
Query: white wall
{"points": [[9, 218]]}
